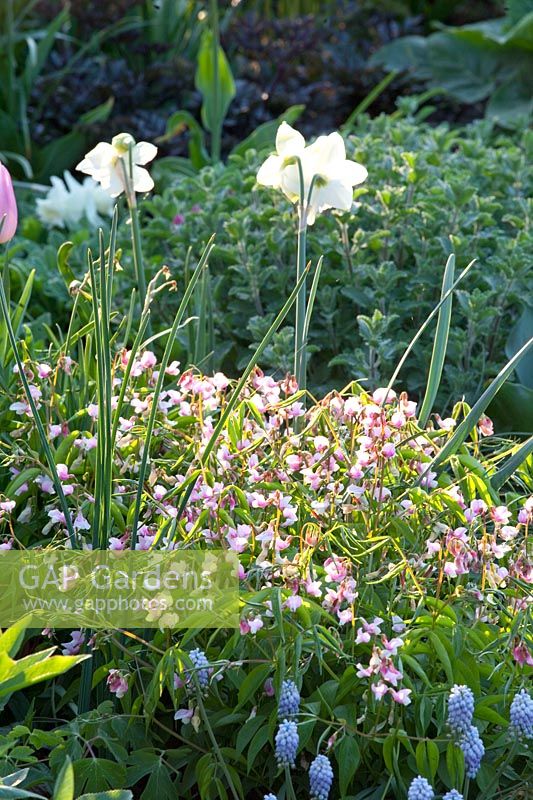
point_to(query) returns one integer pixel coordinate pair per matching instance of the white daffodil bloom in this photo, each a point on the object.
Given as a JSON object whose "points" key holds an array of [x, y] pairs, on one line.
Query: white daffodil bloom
{"points": [[68, 201], [328, 176], [289, 143], [109, 164]]}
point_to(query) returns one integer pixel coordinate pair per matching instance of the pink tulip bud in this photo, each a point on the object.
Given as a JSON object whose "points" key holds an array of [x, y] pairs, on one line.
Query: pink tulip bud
{"points": [[8, 207]]}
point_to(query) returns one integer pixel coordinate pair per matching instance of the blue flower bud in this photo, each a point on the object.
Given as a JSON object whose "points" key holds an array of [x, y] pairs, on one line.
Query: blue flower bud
{"points": [[460, 709], [453, 795], [320, 778], [289, 700], [286, 743], [473, 749], [201, 667], [521, 715], [420, 789]]}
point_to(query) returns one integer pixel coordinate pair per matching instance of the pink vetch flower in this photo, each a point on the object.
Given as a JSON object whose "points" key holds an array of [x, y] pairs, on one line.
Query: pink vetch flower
{"points": [[485, 426], [268, 688], [251, 625], [117, 682], [179, 219], [62, 472], [368, 630], [388, 450], [346, 616], [401, 696], [379, 690], [522, 655], [73, 647], [184, 715], [500, 514], [8, 207], [293, 602], [44, 370]]}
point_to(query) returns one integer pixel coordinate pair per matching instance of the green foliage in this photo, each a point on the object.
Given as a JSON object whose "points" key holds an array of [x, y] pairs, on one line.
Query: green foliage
{"points": [[25, 47], [35, 668], [383, 265], [490, 60], [197, 460]]}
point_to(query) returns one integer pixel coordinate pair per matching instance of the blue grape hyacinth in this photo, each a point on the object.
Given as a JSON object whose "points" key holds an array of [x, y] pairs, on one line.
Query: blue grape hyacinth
{"points": [[521, 715], [473, 749], [420, 789], [270, 797], [453, 794], [286, 743], [320, 778], [460, 709], [289, 700], [201, 666]]}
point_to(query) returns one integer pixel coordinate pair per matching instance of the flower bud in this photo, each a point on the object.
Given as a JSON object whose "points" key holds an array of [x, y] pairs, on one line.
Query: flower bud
{"points": [[8, 207]]}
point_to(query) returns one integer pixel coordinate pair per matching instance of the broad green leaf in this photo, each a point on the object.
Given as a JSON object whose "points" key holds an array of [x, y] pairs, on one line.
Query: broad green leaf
{"points": [[16, 675], [215, 82], [519, 334], [407, 53], [98, 774], [512, 409], [64, 785], [455, 762], [427, 759], [467, 72], [11, 638], [442, 654], [113, 794], [348, 758], [252, 682]]}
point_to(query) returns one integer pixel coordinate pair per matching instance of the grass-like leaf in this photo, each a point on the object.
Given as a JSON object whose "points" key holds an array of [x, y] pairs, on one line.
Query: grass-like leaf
{"points": [[440, 343]]}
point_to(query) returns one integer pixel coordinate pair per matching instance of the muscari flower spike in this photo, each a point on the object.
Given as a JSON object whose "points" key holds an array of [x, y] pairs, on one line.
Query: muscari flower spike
{"points": [[201, 666], [460, 709], [270, 797], [289, 700], [320, 778], [286, 743], [521, 715], [473, 749], [420, 789], [453, 795]]}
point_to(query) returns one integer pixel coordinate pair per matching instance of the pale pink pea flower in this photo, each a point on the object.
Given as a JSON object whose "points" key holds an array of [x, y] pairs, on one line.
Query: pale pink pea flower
{"points": [[117, 683]]}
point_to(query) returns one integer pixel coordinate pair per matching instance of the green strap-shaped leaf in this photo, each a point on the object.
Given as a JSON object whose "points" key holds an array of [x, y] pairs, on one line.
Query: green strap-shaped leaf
{"points": [[440, 342], [215, 82], [478, 408]]}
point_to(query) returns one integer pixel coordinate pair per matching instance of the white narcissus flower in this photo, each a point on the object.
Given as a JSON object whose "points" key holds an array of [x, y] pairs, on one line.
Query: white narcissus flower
{"points": [[289, 143], [109, 164], [69, 200], [326, 171]]}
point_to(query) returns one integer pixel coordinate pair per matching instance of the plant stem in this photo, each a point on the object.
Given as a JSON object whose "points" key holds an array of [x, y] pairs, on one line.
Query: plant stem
{"points": [[288, 783], [300, 345], [216, 748], [137, 248], [216, 133]]}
